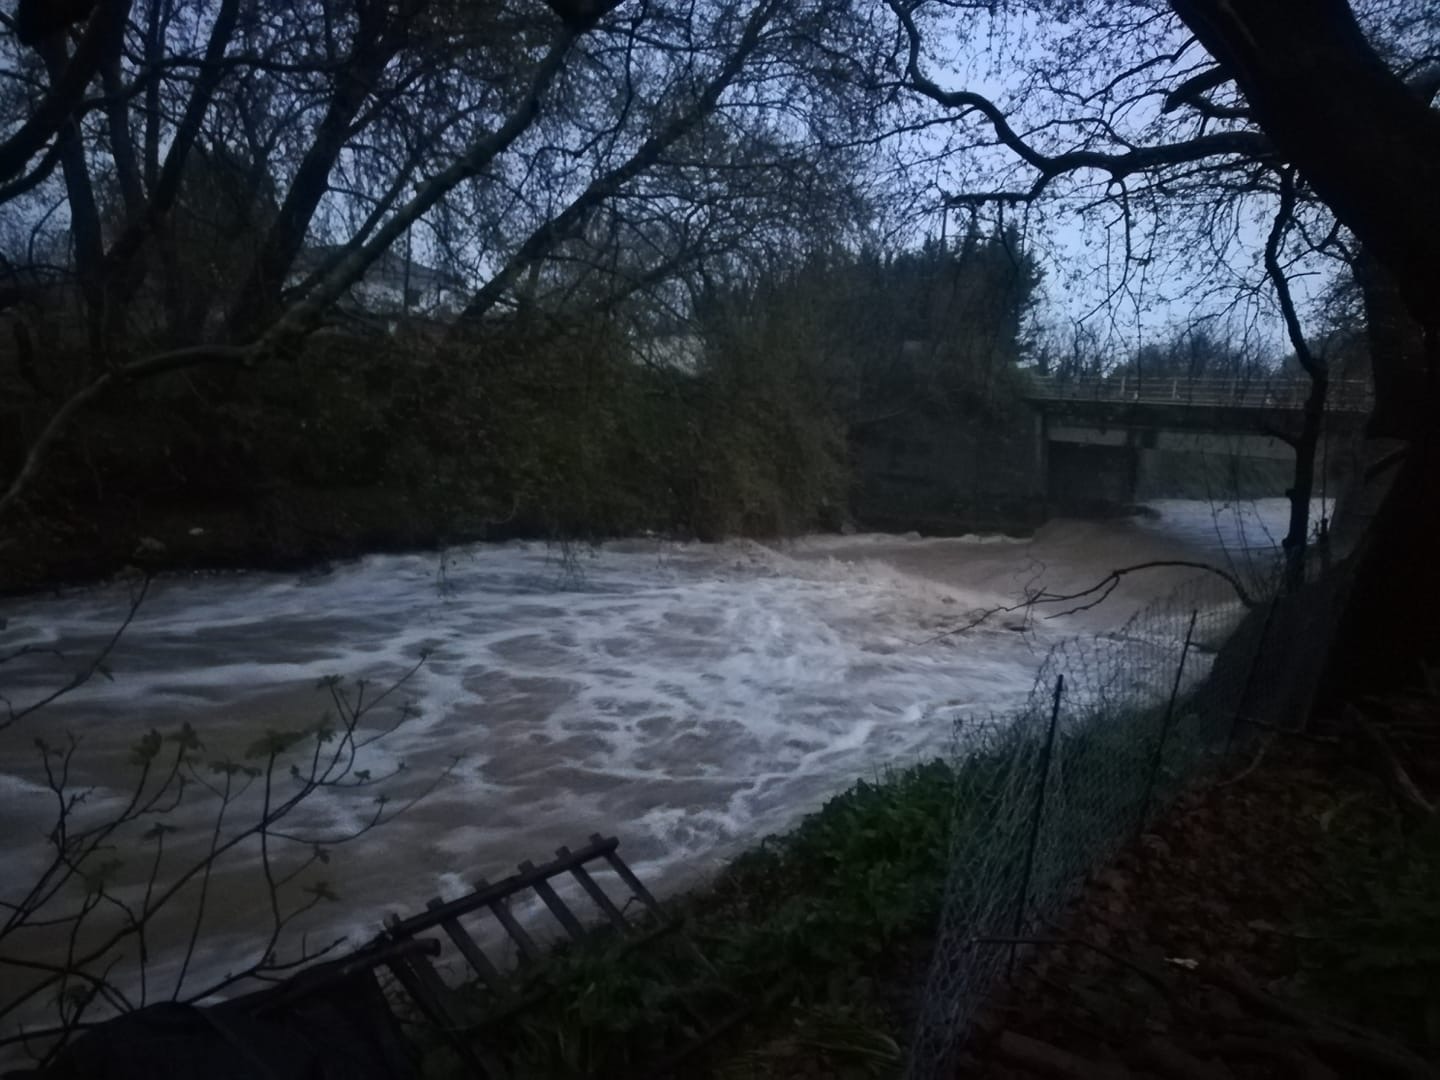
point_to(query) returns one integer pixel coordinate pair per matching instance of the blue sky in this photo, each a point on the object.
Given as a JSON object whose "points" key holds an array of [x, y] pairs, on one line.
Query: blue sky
{"points": [[1057, 82]]}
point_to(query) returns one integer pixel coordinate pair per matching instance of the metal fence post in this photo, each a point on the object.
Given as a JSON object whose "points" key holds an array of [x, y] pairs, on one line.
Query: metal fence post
{"points": [[1045, 751], [1165, 728]]}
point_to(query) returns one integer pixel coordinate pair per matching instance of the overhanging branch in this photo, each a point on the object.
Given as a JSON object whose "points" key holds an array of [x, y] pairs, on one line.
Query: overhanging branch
{"points": [[1117, 165], [105, 24]]}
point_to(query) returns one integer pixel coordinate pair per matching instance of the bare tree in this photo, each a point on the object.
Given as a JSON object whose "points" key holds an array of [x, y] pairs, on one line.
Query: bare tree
{"points": [[209, 145], [1218, 112]]}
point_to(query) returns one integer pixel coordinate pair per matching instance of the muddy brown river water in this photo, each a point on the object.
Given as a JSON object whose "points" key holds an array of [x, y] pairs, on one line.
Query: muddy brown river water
{"points": [[688, 698]]}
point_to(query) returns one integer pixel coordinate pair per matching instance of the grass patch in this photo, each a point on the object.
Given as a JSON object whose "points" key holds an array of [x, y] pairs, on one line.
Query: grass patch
{"points": [[819, 927]]}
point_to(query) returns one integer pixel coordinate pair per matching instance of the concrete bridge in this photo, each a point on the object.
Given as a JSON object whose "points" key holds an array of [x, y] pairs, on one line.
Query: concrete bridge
{"points": [[1104, 440]]}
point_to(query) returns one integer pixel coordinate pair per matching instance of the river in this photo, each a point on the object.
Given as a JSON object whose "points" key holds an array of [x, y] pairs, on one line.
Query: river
{"points": [[688, 698]]}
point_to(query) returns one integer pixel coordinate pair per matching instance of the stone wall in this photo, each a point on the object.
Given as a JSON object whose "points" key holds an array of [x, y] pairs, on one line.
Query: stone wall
{"points": [[946, 475]]}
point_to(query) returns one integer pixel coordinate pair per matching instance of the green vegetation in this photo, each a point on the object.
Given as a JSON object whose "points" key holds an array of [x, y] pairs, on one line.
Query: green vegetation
{"points": [[556, 432], [816, 942], [817, 937], [746, 414], [1375, 954]]}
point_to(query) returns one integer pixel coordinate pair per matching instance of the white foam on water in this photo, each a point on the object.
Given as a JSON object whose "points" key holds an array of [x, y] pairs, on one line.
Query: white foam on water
{"points": [[688, 698]]}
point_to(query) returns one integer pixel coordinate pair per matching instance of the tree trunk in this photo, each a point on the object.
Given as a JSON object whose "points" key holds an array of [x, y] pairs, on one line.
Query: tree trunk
{"points": [[1303, 490], [1369, 146], [85, 228], [258, 300], [1390, 625], [1392, 333]]}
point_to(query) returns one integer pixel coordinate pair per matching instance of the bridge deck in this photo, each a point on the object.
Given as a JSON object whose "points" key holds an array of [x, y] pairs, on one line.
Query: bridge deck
{"points": [[1342, 395]]}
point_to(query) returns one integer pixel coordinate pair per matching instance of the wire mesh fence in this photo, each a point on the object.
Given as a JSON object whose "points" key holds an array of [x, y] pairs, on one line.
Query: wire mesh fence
{"points": [[1115, 726]]}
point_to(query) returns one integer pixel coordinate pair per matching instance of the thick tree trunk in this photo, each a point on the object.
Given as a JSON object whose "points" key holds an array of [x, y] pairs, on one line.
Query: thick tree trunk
{"points": [[1391, 624], [85, 228], [1392, 334], [1369, 146], [258, 300]]}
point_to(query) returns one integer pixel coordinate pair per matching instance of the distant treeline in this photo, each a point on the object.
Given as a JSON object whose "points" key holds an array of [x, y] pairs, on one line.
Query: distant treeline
{"points": [[737, 418]]}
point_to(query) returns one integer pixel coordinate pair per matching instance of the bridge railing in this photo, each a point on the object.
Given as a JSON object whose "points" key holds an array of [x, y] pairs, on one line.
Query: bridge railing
{"points": [[1342, 395]]}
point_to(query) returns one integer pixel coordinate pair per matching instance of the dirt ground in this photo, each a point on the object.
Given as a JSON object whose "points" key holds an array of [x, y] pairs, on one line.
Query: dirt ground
{"points": [[1282, 920]]}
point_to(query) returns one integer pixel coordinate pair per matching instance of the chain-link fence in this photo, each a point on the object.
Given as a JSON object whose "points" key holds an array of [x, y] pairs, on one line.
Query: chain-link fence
{"points": [[1116, 724]]}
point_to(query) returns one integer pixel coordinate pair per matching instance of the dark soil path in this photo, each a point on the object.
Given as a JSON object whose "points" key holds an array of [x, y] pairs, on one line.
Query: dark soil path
{"points": [[1283, 920]]}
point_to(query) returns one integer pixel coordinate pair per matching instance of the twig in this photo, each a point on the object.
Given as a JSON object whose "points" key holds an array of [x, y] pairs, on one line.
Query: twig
{"points": [[1322, 1032], [75, 847], [1254, 764], [1105, 586], [90, 670], [1289, 1033], [1395, 773], [1154, 978]]}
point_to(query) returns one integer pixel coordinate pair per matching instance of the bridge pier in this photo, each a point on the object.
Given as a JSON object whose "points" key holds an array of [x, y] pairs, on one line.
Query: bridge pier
{"points": [[1088, 478]]}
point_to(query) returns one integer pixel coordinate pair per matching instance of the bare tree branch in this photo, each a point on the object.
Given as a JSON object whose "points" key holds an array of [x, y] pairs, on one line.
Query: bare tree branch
{"points": [[563, 225], [96, 665], [1096, 594], [1248, 145], [107, 22]]}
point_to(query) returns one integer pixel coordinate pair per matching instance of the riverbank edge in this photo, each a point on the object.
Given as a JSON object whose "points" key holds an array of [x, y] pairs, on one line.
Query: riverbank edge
{"points": [[311, 532], [818, 937], [827, 930]]}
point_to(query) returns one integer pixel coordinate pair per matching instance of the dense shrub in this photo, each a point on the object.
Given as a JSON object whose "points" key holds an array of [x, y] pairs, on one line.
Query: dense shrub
{"points": [[556, 424]]}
